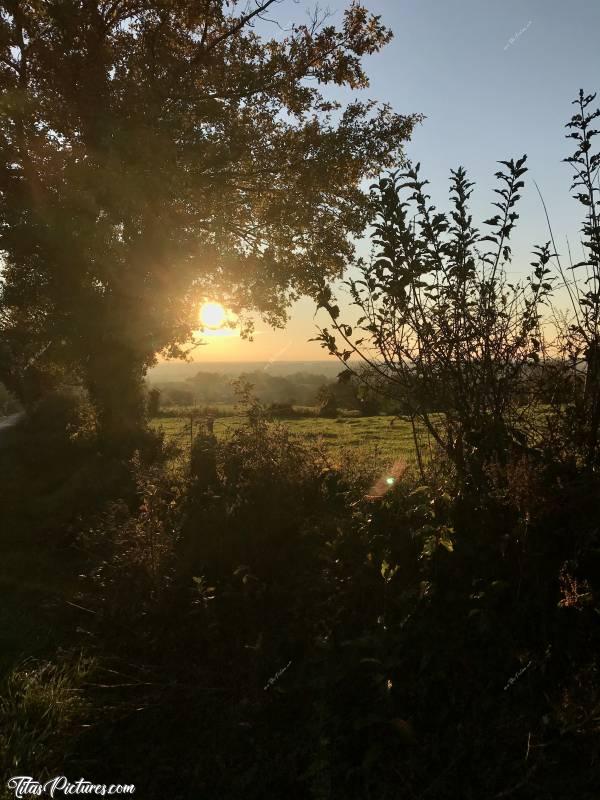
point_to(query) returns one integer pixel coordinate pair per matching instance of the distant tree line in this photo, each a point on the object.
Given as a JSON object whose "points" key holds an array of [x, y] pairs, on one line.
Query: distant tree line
{"points": [[296, 389]]}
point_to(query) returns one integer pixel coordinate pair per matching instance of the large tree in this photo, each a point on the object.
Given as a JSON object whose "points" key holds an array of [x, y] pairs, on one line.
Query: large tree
{"points": [[155, 152]]}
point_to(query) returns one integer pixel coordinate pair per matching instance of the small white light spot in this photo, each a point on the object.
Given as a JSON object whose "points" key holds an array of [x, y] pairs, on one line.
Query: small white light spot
{"points": [[389, 481]]}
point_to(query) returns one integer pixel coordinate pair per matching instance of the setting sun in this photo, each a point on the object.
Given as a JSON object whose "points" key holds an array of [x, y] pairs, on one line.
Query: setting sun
{"points": [[212, 315]]}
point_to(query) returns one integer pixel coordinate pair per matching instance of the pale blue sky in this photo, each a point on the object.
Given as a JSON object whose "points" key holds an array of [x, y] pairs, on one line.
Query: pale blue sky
{"points": [[485, 99]]}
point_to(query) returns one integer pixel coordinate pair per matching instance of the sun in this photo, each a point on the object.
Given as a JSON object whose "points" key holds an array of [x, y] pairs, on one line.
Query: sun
{"points": [[212, 315]]}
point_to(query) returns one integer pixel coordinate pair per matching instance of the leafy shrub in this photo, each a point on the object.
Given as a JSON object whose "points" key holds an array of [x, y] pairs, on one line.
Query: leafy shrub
{"points": [[281, 411], [59, 418], [439, 315], [154, 396], [267, 479], [132, 543], [403, 617], [203, 460]]}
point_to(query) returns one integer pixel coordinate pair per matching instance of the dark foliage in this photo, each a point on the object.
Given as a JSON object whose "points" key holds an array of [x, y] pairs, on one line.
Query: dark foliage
{"points": [[147, 150], [253, 623]]}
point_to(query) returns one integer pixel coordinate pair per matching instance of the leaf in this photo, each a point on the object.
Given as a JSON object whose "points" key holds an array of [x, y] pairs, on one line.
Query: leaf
{"points": [[387, 571]]}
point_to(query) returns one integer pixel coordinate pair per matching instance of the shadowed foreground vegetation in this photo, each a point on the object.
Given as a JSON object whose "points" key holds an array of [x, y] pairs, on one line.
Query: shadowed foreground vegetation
{"points": [[243, 620], [278, 602]]}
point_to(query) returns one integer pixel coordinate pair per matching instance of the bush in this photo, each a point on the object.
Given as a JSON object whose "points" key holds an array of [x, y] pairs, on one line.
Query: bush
{"points": [[267, 483], [402, 617], [130, 545], [154, 402], [281, 411], [61, 416]]}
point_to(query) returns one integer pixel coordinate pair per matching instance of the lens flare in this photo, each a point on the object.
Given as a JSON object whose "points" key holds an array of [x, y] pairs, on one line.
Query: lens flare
{"points": [[388, 480]]}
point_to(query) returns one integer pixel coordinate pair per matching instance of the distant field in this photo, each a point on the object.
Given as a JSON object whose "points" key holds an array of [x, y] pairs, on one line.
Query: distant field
{"points": [[385, 438]]}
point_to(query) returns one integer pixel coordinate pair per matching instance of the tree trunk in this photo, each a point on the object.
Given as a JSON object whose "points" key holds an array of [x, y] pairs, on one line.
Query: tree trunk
{"points": [[115, 382]]}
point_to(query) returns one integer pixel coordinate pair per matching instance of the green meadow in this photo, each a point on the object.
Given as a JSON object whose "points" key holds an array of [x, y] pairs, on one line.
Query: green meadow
{"points": [[384, 440]]}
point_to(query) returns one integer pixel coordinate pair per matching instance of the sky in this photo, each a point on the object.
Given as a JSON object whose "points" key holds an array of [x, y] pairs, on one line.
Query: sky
{"points": [[494, 80]]}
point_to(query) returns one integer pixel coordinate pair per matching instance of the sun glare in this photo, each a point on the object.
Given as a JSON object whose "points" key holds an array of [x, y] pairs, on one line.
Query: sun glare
{"points": [[212, 315]]}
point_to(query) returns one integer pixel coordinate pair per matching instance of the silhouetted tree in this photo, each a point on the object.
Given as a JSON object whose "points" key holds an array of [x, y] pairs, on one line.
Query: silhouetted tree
{"points": [[583, 336], [439, 318], [152, 153]]}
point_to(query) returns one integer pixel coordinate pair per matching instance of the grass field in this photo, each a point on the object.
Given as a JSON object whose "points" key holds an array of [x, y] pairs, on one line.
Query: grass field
{"points": [[385, 438]]}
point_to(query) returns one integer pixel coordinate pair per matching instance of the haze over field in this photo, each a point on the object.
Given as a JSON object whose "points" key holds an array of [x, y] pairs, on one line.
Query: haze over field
{"points": [[181, 370]]}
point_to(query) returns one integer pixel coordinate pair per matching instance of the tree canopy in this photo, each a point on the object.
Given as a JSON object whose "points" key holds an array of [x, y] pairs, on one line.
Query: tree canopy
{"points": [[154, 152]]}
